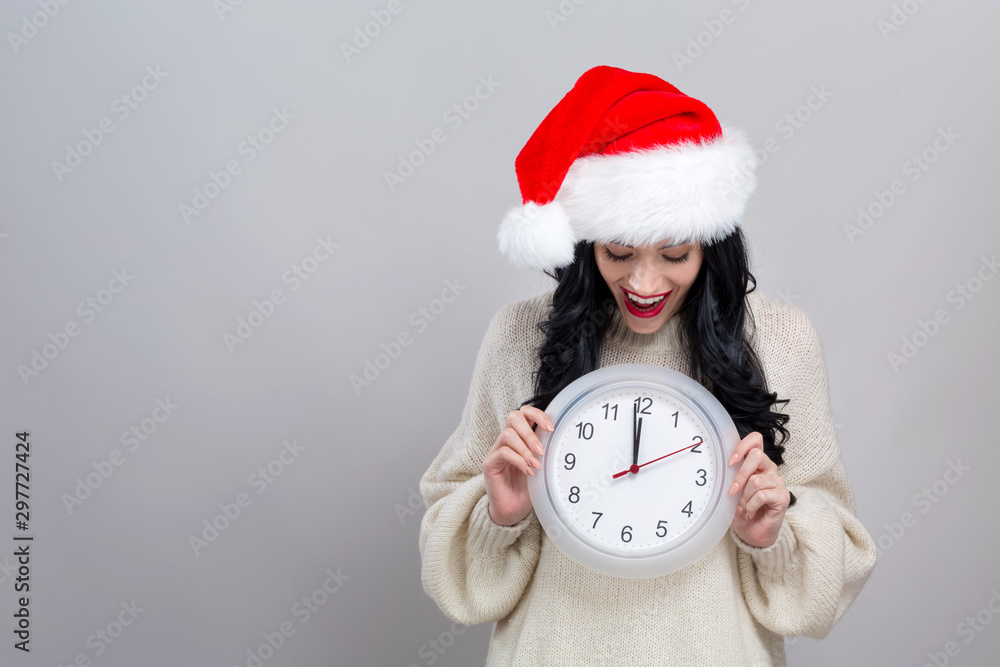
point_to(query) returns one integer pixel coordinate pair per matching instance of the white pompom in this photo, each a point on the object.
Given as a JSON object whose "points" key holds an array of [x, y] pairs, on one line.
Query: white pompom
{"points": [[537, 237]]}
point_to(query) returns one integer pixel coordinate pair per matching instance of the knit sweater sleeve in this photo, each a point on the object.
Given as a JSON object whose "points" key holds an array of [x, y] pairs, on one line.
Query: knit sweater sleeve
{"points": [[474, 569], [804, 582]]}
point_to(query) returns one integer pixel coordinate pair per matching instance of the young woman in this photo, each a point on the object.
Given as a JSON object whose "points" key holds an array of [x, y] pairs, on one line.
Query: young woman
{"points": [[633, 194]]}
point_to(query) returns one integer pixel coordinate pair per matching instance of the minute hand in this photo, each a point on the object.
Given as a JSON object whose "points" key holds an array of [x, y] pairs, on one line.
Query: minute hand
{"points": [[628, 470]]}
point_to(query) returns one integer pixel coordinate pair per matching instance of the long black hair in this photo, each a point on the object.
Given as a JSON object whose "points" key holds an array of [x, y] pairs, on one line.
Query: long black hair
{"points": [[712, 314]]}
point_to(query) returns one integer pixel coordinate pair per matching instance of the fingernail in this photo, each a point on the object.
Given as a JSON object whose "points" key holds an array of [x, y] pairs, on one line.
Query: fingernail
{"points": [[535, 462], [733, 488], [732, 459], [538, 448], [530, 471]]}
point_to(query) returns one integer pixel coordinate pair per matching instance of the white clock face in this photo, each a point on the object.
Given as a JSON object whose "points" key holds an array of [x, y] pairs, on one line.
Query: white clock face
{"points": [[634, 469], [631, 513]]}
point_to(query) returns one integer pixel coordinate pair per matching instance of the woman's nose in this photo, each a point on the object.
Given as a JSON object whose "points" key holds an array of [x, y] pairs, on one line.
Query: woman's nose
{"points": [[643, 279]]}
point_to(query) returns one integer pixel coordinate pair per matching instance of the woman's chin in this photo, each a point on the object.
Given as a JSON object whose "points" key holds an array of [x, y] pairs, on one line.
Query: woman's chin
{"points": [[644, 325]]}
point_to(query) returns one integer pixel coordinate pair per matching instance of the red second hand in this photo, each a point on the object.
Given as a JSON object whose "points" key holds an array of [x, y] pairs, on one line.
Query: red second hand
{"points": [[628, 470]]}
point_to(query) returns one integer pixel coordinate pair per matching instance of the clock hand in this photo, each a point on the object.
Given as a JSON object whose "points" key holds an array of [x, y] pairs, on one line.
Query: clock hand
{"points": [[635, 468], [635, 434], [638, 441]]}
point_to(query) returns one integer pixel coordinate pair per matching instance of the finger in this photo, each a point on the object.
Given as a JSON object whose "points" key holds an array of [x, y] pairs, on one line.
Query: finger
{"points": [[753, 462], [513, 441], [508, 437], [506, 457], [753, 440], [776, 498], [758, 482], [517, 421], [537, 416], [513, 417]]}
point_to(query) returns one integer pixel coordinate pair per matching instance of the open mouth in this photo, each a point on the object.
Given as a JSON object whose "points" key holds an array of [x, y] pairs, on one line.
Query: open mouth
{"points": [[644, 306]]}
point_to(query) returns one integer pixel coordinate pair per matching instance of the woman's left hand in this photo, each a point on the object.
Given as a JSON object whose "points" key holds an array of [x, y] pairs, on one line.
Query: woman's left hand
{"points": [[764, 497]]}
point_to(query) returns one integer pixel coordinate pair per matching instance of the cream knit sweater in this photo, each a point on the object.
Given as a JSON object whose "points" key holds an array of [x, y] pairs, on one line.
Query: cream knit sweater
{"points": [[732, 607]]}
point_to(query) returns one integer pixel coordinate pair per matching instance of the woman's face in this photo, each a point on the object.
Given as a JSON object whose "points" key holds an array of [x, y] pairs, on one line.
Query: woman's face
{"points": [[660, 272]]}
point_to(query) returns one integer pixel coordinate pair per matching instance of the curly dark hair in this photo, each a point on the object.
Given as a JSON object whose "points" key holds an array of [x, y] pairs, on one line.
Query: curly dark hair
{"points": [[712, 318]]}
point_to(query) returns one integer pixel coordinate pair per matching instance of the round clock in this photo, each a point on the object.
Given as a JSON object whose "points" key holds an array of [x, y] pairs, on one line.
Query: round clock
{"points": [[634, 480]]}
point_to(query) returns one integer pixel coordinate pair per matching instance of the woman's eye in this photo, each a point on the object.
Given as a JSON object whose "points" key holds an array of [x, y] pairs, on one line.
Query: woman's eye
{"points": [[621, 258]]}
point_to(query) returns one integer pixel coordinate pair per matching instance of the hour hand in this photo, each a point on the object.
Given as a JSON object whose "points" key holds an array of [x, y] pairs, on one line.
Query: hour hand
{"points": [[635, 434]]}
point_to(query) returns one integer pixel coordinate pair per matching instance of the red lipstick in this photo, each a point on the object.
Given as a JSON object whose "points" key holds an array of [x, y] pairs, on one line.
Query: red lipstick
{"points": [[638, 311]]}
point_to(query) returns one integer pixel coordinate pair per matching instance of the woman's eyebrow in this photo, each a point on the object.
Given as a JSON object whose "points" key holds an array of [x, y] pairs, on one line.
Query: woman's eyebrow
{"points": [[663, 247]]}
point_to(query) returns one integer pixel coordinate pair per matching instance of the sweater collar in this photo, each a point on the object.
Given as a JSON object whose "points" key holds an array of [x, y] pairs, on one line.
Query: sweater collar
{"points": [[669, 336]]}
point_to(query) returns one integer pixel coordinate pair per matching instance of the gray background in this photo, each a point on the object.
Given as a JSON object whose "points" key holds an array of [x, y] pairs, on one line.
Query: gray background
{"points": [[341, 504]]}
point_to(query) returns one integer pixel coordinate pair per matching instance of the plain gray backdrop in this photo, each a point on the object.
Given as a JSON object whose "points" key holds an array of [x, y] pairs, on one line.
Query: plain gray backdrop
{"points": [[203, 471]]}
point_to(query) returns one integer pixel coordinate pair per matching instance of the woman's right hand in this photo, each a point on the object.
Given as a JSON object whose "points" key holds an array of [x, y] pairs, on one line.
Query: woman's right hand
{"points": [[508, 463]]}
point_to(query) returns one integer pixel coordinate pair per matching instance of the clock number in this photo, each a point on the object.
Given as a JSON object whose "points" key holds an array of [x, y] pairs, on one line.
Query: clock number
{"points": [[643, 404], [570, 461], [599, 515], [687, 509], [585, 431], [626, 534], [613, 408], [700, 443], [676, 415], [702, 481], [575, 491], [661, 526]]}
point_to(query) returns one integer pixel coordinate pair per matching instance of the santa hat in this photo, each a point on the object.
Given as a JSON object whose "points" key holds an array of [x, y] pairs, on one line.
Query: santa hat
{"points": [[625, 157]]}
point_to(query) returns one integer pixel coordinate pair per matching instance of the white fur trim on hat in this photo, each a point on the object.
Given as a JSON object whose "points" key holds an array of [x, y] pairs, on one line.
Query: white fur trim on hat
{"points": [[684, 192], [537, 237]]}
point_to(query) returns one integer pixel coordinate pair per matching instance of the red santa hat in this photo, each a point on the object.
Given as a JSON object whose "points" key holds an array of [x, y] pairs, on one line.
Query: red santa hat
{"points": [[625, 157]]}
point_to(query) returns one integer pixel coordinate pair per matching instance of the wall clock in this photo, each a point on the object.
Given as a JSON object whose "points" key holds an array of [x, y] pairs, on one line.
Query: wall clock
{"points": [[634, 480]]}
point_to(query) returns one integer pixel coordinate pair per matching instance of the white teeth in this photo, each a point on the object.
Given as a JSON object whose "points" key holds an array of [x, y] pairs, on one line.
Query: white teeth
{"points": [[643, 302]]}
